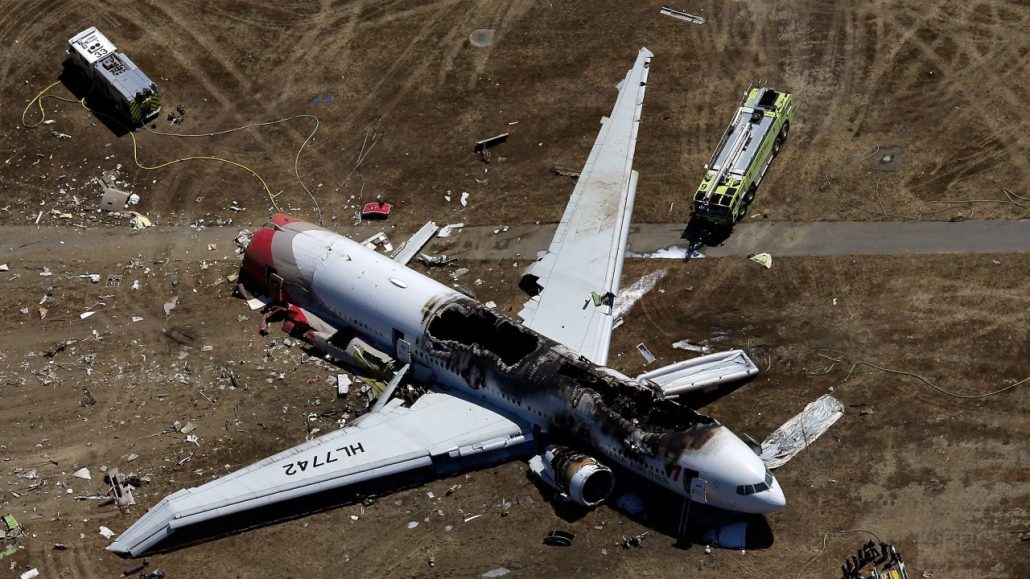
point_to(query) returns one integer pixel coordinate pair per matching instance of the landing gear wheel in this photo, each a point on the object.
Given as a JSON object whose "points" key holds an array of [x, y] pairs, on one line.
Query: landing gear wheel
{"points": [[746, 202]]}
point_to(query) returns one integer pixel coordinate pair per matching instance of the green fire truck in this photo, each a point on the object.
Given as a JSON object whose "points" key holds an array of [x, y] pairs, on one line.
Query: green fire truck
{"points": [[759, 128]]}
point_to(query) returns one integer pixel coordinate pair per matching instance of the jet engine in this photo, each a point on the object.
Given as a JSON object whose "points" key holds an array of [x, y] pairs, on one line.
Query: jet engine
{"points": [[579, 478]]}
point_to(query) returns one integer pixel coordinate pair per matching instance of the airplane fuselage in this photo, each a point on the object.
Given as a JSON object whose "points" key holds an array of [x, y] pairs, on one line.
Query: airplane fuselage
{"points": [[454, 342]]}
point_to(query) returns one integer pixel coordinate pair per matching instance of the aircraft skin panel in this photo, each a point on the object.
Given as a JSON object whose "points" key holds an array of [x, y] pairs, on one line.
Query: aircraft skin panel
{"points": [[585, 257], [398, 440]]}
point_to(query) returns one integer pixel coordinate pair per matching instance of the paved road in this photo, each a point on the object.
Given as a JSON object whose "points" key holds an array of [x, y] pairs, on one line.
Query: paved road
{"points": [[524, 241], [781, 239]]}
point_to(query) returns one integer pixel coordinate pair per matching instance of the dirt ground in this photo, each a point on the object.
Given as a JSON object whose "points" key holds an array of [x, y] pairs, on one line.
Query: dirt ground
{"points": [[398, 84]]}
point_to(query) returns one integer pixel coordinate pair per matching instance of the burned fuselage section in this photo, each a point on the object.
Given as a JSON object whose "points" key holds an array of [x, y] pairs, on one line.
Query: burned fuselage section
{"points": [[572, 400]]}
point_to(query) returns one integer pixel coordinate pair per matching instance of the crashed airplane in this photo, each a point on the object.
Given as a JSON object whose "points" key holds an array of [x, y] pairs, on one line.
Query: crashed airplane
{"points": [[498, 389]]}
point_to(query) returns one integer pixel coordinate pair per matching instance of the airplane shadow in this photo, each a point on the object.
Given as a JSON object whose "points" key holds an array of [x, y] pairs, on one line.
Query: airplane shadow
{"points": [[663, 512]]}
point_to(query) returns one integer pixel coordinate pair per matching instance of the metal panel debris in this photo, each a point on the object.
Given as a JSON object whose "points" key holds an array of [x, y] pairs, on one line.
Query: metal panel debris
{"points": [[681, 15], [413, 245]]}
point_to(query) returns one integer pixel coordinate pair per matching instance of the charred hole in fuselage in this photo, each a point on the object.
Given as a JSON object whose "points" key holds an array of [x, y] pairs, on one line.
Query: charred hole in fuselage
{"points": [[484, 329], [632, 402]]}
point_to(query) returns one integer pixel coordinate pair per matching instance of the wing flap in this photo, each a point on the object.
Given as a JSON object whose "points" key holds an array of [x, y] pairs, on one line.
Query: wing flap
{"points": [[577, 277]]}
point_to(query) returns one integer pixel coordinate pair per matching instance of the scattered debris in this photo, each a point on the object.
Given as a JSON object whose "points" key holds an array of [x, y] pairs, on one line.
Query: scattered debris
{"points": [[106, 533], [446, 230], [122, 493], [459, 272], [242, 240], [413, 245], [190, 427], [483, 147], [761, 258], [690, 347], [682, 15], [82, 473], [376, 240], [464, 199], [114, 200], [170, 305], [31, 572], [498, 572], [435, 260], [636, 541], [343, 383], [559, 539], [376, 210], [802, 430], [564, 172], [4, 267], [83, 315], [412, 524], [139, 221], [648, 356]]}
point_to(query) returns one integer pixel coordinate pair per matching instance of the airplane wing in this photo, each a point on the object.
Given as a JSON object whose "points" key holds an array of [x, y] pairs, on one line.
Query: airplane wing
{"points": [[575, 280], [439, 433]]}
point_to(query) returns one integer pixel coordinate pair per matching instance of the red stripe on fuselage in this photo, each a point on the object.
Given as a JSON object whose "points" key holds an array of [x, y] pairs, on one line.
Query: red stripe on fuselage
{"points": [[258, 258]]}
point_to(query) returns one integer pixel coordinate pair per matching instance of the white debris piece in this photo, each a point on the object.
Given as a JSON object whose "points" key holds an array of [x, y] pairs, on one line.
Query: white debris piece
{"points": [[798, 432], [762, 258], [343, 383], [30, 573], [681, 15], [46, 272], [106, 533], [193, 438], [690, 347], [648, 356], [415, 244], [412, 524], [85, 315], [170, 305], [464, 199], [135, 285], [83, 473], [3, 267], [446, 230], [136, 319]]}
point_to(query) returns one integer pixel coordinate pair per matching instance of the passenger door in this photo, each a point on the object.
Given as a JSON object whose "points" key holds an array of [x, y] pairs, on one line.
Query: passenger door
{"points": [[699, 490]]}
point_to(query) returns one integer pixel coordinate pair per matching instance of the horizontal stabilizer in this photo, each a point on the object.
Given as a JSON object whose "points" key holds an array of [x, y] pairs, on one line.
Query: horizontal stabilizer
{"points": [[702, 373]]}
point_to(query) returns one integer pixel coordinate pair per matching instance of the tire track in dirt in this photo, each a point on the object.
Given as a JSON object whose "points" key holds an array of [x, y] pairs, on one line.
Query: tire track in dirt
{"points": [[1007, 139], [28, 24]]}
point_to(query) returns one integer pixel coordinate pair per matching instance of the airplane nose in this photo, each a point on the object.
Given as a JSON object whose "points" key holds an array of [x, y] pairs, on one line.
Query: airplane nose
{"points": [[774, 498]]}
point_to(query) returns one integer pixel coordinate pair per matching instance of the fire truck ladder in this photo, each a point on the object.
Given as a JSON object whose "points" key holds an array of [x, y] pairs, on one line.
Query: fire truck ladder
{"points": [[736, 150]]}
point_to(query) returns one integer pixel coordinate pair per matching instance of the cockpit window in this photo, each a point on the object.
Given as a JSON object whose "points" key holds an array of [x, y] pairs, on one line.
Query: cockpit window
{"points": [[757, 488]]}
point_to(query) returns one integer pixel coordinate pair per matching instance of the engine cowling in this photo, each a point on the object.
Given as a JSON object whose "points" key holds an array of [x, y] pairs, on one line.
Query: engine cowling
{"points": [[580, 478]]}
